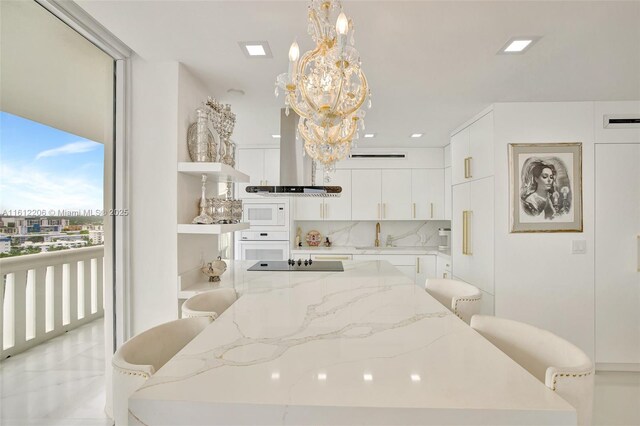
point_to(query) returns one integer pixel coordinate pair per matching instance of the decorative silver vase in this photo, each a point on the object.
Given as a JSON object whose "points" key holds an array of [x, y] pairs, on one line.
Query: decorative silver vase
{"points": [[201, 141]]}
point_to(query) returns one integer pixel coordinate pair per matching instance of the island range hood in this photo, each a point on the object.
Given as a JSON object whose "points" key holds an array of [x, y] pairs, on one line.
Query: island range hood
{"points": [[297, 172]]}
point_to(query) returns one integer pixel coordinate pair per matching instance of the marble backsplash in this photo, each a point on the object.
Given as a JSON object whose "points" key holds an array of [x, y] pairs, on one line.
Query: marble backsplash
{"points": [[363, 233]]}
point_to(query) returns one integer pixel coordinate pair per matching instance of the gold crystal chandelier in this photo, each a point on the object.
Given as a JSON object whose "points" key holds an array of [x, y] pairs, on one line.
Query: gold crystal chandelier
{"points": [[326, 86]]}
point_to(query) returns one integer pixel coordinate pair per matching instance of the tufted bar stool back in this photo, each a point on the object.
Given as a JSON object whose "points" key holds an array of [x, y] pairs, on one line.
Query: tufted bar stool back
{"points": [[142, 355], [461, 298], [559, 364], [211, 303]]}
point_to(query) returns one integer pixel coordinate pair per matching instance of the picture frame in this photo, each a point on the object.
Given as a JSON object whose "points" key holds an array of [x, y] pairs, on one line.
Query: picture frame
{"points": [[545, 187]]}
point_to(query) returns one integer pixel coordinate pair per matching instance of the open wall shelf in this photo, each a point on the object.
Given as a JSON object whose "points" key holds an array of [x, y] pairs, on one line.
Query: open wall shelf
{"points": [[216, 172], [188, 228]]}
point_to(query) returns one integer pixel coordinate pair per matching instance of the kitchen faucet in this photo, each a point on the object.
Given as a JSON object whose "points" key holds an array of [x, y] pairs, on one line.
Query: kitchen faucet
{"points": [[377, 243]]}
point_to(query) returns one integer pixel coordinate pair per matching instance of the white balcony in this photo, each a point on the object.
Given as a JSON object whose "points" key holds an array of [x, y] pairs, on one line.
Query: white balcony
{"points": [[45, 295]]}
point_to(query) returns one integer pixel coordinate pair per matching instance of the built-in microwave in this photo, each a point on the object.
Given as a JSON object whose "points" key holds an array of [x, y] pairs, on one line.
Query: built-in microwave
{"points": [[265, 214]]}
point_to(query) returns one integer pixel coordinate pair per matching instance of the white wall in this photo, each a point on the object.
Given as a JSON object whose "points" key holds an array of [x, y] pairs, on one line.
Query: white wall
{"points": [[537, 279], [164, 98], [154, 103]]}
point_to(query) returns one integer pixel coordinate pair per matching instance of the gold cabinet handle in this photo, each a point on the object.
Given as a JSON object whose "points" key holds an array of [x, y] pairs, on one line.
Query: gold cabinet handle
{"points": [[414, 210], [431, 210], [384, 210], [321, 214], [467, 168], [464, 222], [466, 225], [417, 265]]}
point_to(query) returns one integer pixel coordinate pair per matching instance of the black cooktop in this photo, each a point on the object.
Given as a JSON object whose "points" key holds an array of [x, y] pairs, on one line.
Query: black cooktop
{"points": [[295, 266]]}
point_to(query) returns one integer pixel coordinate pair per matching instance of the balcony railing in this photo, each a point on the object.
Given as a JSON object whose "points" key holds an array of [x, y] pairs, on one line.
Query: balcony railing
{"points": [[47, 294]]}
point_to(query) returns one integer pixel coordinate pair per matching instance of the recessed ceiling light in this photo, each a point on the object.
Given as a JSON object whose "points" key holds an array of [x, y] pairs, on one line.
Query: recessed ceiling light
{"points": [[275, 375], [369, 135], [255, 49], [368, 377], [322, 376], [415, 378], [518, 45], [275, 136], [416, 135]]}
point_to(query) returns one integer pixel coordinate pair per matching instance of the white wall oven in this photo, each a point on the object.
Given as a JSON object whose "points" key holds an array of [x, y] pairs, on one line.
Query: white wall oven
{"points": [[263, 245], [266, 215]]}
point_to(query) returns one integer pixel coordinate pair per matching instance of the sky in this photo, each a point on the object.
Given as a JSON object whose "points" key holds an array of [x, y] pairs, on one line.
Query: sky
{"points": [[43, 168]]}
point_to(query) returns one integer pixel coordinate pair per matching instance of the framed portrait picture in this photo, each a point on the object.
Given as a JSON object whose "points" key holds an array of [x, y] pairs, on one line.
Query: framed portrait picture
{"points": [[546, 187]]}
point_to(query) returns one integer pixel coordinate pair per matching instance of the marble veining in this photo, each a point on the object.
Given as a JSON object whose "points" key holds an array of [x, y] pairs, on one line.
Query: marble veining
{"points": [[362, 233], [304, 348]]}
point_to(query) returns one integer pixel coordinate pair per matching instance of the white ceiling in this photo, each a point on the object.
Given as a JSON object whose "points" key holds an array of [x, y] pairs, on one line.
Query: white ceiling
{"points": [[430, 65]]}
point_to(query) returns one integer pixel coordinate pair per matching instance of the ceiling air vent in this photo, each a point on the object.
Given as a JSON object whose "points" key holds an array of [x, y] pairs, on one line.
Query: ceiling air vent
{"points": [[622, 121], [369, 156]]}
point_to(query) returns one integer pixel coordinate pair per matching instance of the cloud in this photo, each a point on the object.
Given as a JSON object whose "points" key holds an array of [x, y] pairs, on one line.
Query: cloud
{"points": [[70, 148], [29, 188]]}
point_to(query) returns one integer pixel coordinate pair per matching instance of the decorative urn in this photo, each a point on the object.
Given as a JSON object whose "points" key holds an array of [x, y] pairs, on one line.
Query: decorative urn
{"points": [[214, 269]]}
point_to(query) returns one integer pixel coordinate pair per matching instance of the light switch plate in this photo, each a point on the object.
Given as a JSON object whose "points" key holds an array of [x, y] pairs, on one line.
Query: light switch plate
{"points": [[578, 247]]}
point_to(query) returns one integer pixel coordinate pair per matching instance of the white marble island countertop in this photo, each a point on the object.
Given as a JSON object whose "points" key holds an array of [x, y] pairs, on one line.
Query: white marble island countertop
{"points": [[363, 346]]}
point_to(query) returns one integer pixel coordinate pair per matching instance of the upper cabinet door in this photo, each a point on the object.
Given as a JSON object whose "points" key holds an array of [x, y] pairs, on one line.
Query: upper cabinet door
{"points": [[251, 162], [339, 208], [459, 154], [427, 194], [366, 194], [272, 166], [481, 147], [396, 194], [309, 208]]}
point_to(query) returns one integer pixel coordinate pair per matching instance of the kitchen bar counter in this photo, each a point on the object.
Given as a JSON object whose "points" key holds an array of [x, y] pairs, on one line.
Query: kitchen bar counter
{"points": [[363, 346], [370, 250]]}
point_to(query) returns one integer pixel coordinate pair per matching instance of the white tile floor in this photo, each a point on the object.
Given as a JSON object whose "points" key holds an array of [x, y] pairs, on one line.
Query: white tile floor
{"points": [[61, 383]]}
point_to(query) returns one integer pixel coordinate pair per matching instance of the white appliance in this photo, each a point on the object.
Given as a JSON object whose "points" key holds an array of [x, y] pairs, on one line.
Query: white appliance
{"points": [[266, 215], [268, 236], [263, 245]]}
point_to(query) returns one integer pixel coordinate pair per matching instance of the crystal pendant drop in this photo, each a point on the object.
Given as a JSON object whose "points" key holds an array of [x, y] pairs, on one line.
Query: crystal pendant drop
{"points": [[286, 111], [277, 92]]}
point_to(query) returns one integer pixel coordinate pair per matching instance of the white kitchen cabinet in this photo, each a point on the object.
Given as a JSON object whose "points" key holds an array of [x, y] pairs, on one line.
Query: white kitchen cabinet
{"points": [[425, 268], [459, 154], [339, 208], [309, 208], [443, 267], [481, 147], [261, 164], [473, 233], [329, 208], [472, 151], [427, 194], [366, 194], [396, 194], [447, 193], [271, 166], [617, 255]]}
